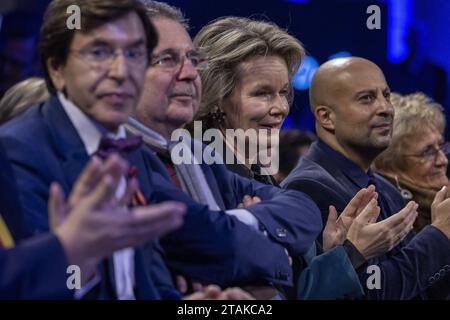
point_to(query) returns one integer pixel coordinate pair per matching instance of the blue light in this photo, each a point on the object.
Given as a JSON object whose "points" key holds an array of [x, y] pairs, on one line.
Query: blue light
{"points": [[288, 123], [303, 77], [340, 54], [399, 19]]}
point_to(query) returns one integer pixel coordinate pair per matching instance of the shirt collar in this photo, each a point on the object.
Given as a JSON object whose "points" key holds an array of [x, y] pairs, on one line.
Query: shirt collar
{"points": [[347, 166], [89, 131]]}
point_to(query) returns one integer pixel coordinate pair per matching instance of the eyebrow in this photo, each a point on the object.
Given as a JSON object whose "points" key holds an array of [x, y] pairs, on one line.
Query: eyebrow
{"points": [[101, 42], [431, 145], [168, 50], [262, 84], [365, 91], [175, 51], [371, 91]]}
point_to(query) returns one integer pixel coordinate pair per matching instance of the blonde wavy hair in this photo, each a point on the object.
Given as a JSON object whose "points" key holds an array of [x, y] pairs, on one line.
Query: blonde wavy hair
{"points": [[21, 96], [228, 42]]}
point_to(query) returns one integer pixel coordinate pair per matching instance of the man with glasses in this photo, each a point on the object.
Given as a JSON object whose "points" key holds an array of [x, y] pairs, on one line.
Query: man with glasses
{"points": [[95, 76], [351, 103], [171, 96]]}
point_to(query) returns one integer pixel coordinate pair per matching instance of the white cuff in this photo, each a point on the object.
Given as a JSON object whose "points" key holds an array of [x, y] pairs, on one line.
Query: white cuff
{"points": [[245, 217]]}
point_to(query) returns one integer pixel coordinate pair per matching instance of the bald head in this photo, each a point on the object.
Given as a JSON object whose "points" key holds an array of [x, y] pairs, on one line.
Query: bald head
{"points": [[350, 100], [332, 78]]}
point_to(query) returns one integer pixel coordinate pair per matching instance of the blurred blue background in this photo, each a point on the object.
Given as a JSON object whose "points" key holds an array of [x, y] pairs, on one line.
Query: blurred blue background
{"points": [[412, 46]]}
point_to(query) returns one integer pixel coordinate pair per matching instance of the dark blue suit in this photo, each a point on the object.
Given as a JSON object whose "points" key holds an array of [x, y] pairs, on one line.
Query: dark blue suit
{"points": [[334, 266], [409, 269], [35, 268], [290, 218], [43, 146], [9, 201]]}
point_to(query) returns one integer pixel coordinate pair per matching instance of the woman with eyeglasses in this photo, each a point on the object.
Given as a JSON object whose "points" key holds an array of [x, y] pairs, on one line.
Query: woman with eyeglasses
{"points": [[416, 161]]}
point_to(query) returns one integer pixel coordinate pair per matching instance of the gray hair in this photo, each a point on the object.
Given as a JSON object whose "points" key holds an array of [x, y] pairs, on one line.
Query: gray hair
{"points": [[157, 9], [414, 113]]}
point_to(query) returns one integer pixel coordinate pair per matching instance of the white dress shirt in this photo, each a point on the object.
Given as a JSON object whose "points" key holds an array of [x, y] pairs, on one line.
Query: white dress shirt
{"points": [[91, 134]]}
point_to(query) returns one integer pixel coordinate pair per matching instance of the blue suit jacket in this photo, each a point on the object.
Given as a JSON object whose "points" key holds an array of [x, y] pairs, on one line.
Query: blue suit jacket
{"points": [[35, 268], [290, 217], [245, 256], [296, 212], [293, 211], [43, 146], [408, 270], [9, 201]]}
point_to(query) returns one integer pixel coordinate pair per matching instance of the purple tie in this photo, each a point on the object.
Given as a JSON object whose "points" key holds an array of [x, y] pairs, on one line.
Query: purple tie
{"points": [[108, 146]]}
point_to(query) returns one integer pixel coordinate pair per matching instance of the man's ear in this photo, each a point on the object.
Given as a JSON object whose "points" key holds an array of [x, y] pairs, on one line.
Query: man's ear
{"points": [[325, 117], [56, 74]]}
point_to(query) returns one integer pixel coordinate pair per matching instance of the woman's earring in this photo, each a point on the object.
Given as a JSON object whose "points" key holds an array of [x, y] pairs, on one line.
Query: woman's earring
{"points": [[406, 194], [218, 115]]}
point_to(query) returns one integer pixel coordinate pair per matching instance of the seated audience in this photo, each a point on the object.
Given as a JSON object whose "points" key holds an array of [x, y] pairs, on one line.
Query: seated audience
{"points": [[248, 86], [95, 77], [87, 227], [171, 96], [350, 100]]}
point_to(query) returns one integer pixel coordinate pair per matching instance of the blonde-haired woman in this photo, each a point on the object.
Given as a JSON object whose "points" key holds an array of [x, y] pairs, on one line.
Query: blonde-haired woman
{"points": [[248, 82]]}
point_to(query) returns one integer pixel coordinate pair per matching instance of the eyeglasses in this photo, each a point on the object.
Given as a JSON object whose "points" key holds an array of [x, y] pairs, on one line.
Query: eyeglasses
{"points": [[173, 60], [430, 155], [103, 56]]}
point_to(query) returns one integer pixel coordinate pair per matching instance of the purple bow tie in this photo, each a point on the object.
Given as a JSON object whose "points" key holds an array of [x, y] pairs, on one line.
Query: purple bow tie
{"points": [[108, 145]]}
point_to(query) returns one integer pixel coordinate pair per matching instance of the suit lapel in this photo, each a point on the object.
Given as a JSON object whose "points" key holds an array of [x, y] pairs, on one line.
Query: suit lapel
{"points": [[66, 141], [318, 155], [74, 165], [71, 150], [136, 159], [212, 183]]}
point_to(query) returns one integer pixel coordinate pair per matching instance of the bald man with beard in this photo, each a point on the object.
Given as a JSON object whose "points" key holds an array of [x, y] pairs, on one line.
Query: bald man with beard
{"points": [[350, 101]]}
